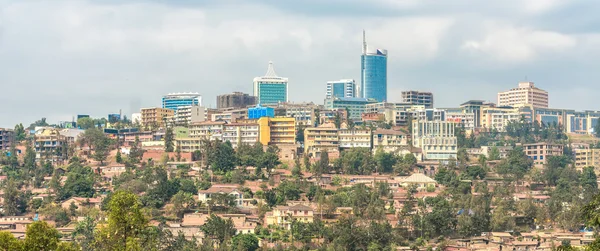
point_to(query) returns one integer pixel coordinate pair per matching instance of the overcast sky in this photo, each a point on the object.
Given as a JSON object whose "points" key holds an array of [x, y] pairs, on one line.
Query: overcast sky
{"points": [[62, 58]]}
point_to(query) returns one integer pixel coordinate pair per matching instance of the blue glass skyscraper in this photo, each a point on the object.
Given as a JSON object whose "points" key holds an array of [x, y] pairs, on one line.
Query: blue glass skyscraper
{"points": [[373, 66]]}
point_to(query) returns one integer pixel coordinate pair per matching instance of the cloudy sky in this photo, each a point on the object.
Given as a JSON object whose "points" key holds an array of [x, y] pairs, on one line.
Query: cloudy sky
{"points": [[62, 58]]}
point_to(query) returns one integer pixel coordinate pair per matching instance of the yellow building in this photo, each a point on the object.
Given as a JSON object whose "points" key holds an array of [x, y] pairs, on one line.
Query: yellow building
{"points": [[322, 138], [277, 131], [156, 116], [283, 216], [587, 157]]}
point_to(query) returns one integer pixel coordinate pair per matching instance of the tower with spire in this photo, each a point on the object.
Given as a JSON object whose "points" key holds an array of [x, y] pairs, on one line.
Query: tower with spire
{"points": [[373, 74], [271, 89]]}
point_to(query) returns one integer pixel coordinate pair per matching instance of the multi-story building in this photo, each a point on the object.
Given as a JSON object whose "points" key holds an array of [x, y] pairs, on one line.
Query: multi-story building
{"points": [[356, 106], [50, 144], [156, 117], [474, 107], [525, 94], [435, 138], [186, 115], [586, 158], [344, 88], [303, 113], [284, 216], [277, 131], [175, 100], [241, 133], [188, 144], [270, 89], [212, 130], [461, 116], [235, 100], [373, 66], [539, 152], [497, 118], [260, 111], [7, 138], [418, 98], [390, 141], [145, 136], [320, 139], [351, 138]]}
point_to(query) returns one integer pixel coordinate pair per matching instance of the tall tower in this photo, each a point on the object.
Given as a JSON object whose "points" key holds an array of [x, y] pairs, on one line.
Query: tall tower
{"points": [[373, 75], [270, 89]]}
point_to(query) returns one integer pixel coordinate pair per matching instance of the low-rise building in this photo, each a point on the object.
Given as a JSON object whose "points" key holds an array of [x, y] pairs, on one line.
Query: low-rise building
{"points": [[212, 130], [320, 139], [241, 133], [435, 138], [156, 117], [587, 157], [390, 141], [355, 137], [205, 195], [7, 138], [283, 216]]}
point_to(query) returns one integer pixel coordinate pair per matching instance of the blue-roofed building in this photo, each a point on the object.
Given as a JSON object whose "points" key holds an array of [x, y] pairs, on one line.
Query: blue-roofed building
{"points": [[175, 100], [355, 106], [260, 111]]}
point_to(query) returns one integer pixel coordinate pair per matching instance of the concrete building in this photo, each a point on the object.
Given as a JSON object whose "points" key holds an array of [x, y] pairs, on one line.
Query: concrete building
{"points": [[283, 216], [175, 100], [270, 89], [212, 130], [52, 144], [497, 118], [418, 98], [539, 152], [373, 66], [235, 100], [241, 133], [303, 113], [7, 138], [351, 138], [156, 117], [587, 157], [525, 94], [344, 88], [277, 131], [186, 115], [205, 195], [390, 141], [356, 106], [320, 139], [435, 138], [461, 116]]}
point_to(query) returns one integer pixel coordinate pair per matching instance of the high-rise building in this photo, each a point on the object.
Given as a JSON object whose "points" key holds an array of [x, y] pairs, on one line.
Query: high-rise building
{"points": [[525, 94], [7, 138], [175, 100], [156, 117], [418, 98], [270, 89], [344, 88], [235, 100], [373, 66]]}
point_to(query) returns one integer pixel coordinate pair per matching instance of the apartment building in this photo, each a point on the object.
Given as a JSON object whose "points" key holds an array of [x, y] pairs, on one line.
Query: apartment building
{"points": [[283, 216], [303, 113], [525, 94], [186, 115], [351, 138], [461, 116], [418, 98], [320, 139], [7, 138], [146, 136], [390, 141], [188, 145], [277, 131], [50, 145], [235, 100], [587, 157], [435, 138], [539, 152], [356, 106], [241, 133], [156, 117], [212, 130]]}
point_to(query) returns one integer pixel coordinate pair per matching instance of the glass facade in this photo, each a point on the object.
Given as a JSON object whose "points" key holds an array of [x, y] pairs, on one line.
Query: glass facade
{"points": [[272, 93], [174, 101], [374, 75]]}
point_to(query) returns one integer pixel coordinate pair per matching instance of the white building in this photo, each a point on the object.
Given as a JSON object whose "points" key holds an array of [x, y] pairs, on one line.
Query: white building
{"points": [[186, 115], [241, 133], [270, 88], [350, 138], [344, 88], [435, 138]]}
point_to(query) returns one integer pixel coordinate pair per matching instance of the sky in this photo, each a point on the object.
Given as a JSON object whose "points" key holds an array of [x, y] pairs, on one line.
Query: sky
{"points": [[63, 58]]}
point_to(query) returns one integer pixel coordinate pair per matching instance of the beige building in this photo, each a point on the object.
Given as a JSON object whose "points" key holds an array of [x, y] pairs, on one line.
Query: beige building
{"points": [[435, 138], [186, 115], [539, 152], [205, 195], [587, 157], [241, 133], [525, 94], [322, 138], [283, 216], [351, 138], [156, 116], [212, 130], [498, 117], [390, 141]]}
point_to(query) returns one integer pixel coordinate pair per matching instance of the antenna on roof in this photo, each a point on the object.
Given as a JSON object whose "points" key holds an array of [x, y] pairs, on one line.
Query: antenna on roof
{"points": [[364, 42]]}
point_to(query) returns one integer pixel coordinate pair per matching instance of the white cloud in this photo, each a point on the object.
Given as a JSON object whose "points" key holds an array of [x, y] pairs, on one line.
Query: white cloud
{"points": [[519, 44]]}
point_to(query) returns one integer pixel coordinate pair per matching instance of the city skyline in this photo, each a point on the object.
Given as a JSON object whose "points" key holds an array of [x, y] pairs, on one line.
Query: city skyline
{"points": [[96, 61]]}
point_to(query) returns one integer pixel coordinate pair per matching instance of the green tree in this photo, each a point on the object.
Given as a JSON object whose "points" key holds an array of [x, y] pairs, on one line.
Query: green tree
{"points": [[85, 123], [182, 202], [126, 224], [300, 134], [13, 203], [136, 152], [80, 182], [218, 229], [494, 153], [41, 236], [8, 242], [68, 246], [84, 233], [19, 133], [247, 242], [385, 161], [169, 140], [118, 157], [224, 158], [597, 129], [516, 164]]}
